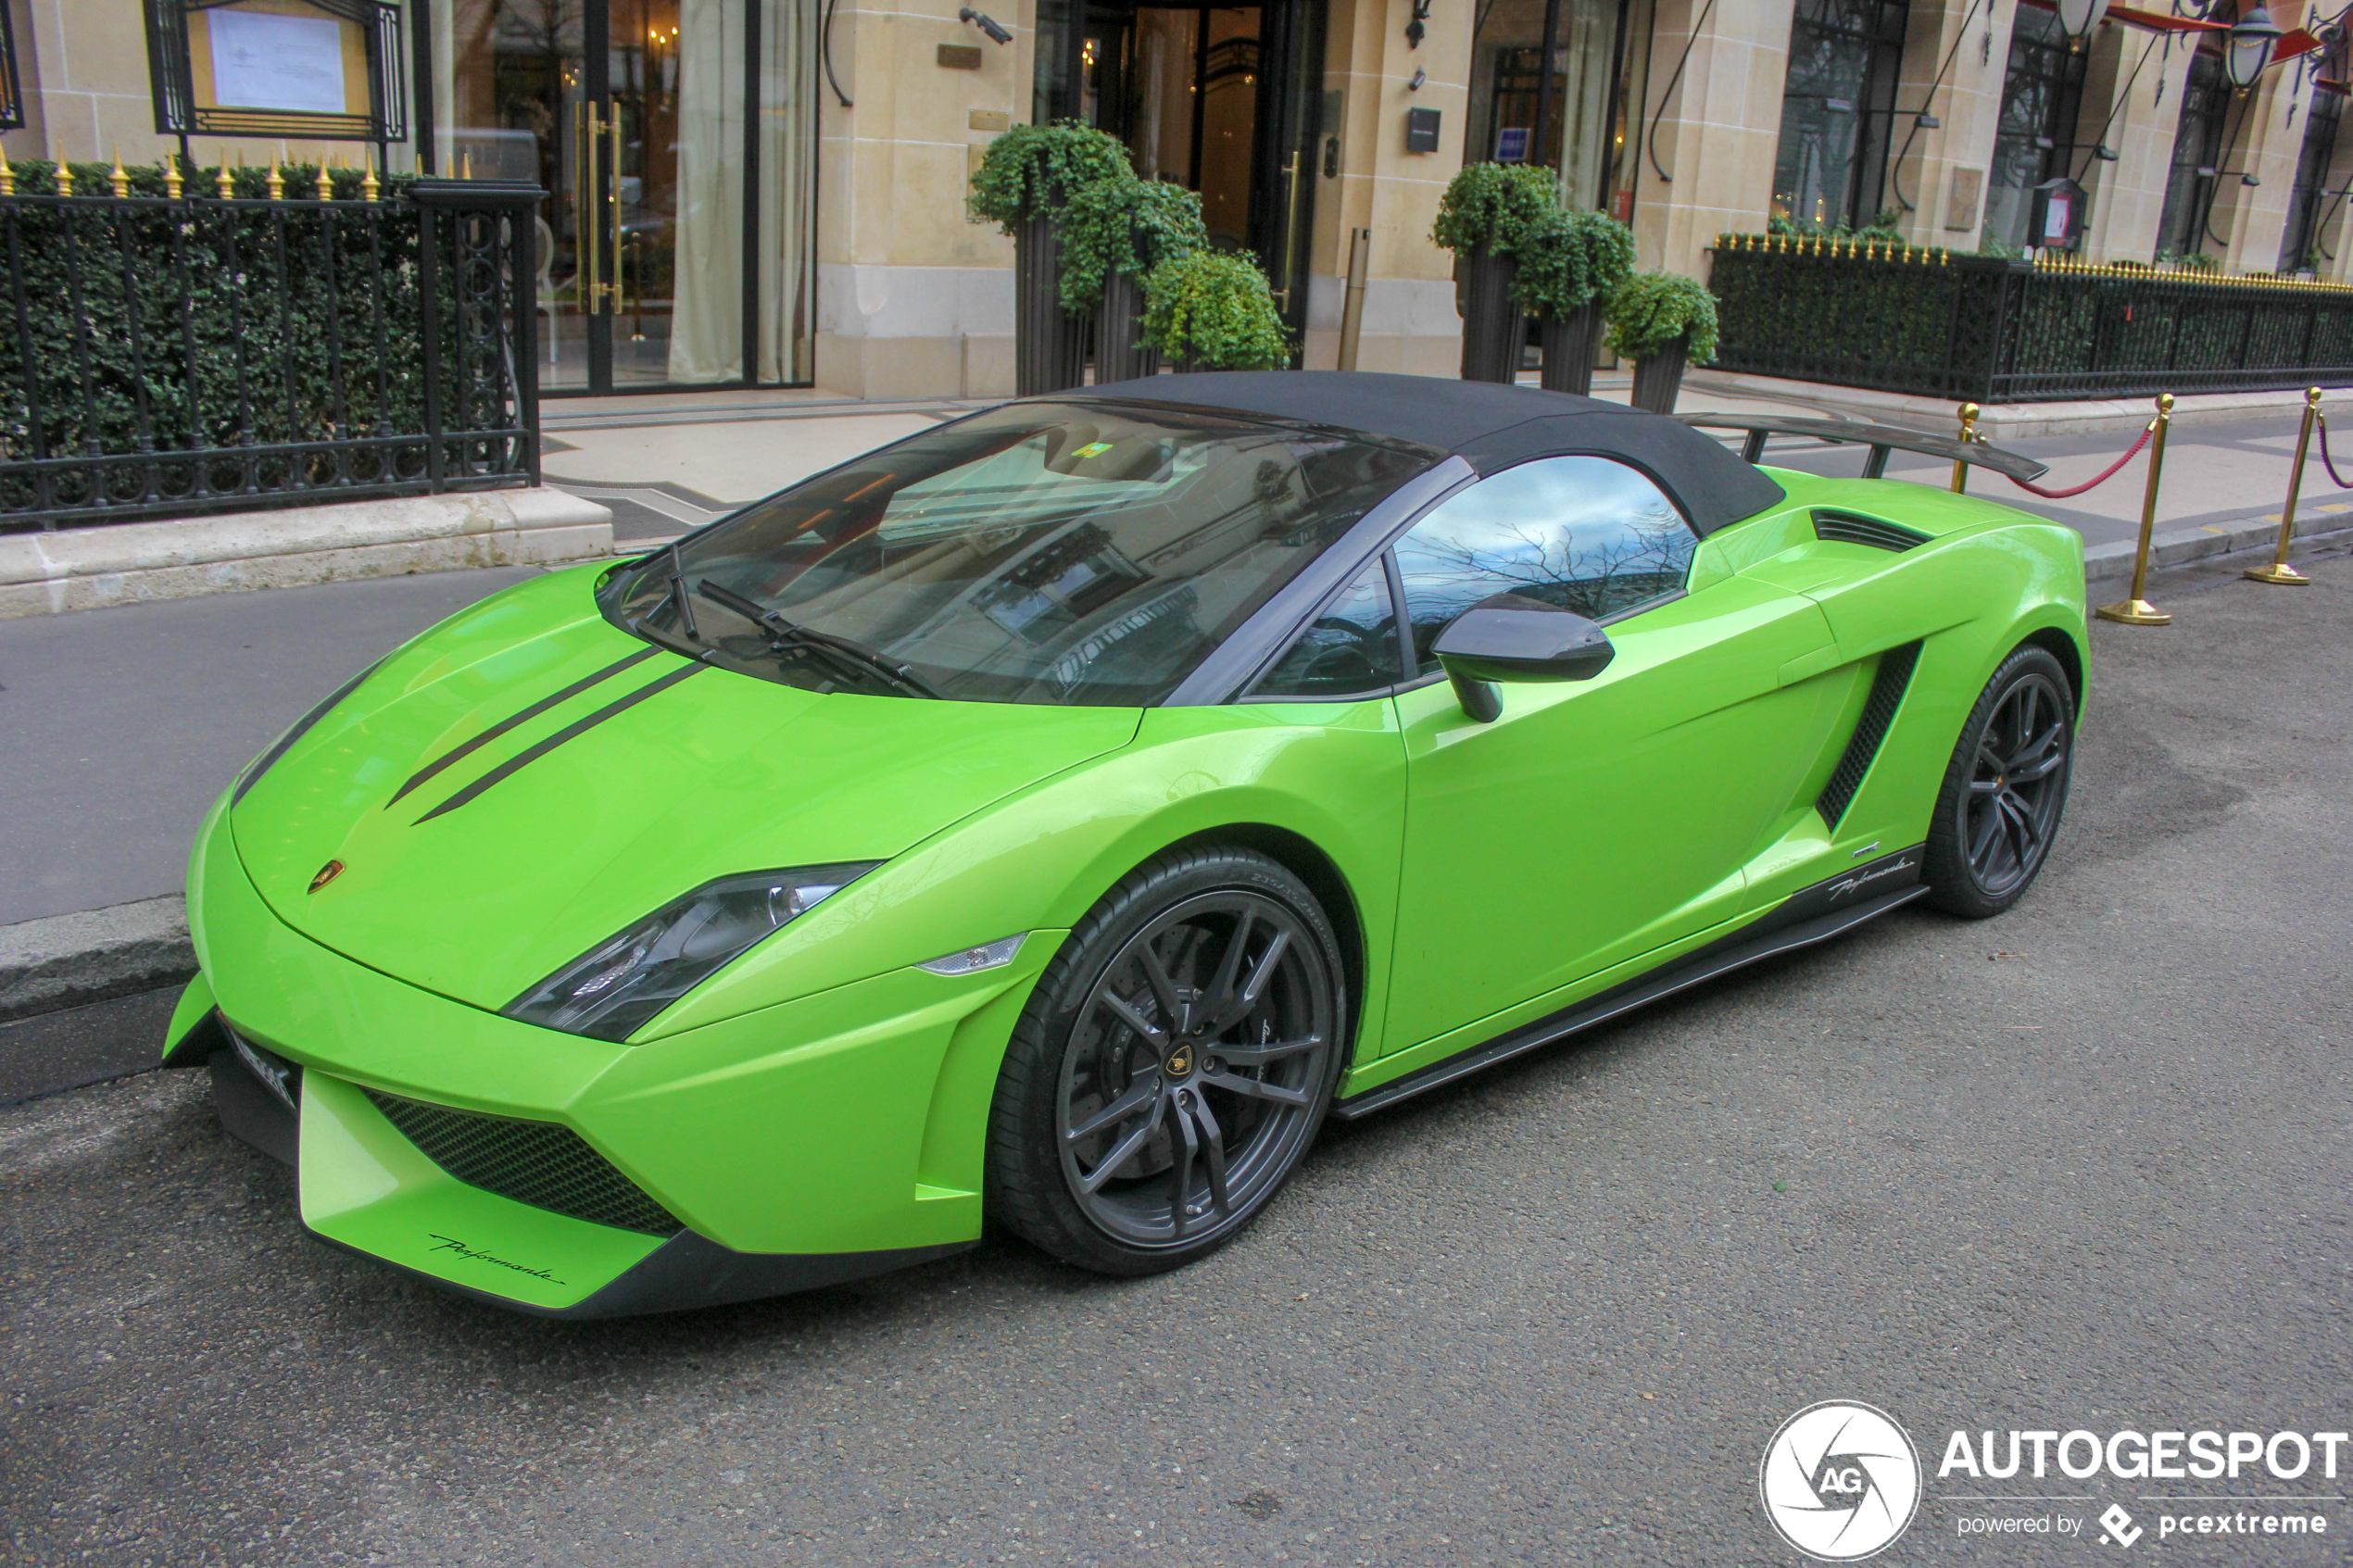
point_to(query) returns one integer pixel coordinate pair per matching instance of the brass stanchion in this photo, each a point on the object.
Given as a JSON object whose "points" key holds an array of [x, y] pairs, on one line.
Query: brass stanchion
{"points": [[1968, 433], [2279, 571], [2136, 610]]}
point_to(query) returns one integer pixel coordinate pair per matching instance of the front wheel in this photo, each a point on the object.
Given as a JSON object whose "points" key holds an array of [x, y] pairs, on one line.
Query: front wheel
{"points": [[2005, 790], [1172, 1067]]}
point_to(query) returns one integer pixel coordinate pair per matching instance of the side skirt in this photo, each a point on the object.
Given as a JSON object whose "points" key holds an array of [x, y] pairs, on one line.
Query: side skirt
{"points": [[1811, 915]]}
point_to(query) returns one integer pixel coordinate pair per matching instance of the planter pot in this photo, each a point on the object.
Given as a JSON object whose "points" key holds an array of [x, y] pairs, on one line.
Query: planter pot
{"points": [[1050, 344], [1660, 377], [1570, 344], [1121, 353], [1494, 327]]}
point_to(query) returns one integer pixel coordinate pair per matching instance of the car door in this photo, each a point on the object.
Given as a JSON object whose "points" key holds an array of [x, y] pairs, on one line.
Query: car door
{"points": [[1594, 820]]}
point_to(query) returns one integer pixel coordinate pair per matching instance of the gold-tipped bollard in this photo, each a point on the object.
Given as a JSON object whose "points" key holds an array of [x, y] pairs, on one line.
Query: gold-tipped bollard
{"points": [[2137, 610], [2279, 571], [1968, 433]]}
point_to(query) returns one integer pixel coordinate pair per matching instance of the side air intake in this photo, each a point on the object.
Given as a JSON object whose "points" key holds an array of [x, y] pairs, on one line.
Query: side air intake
{"points": [[542, 1164], [1850, 528], [1895, 673]]}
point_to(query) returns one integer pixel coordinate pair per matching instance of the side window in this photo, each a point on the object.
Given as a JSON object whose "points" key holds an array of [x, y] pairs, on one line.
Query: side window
{"points": [[1351, 647], [1586, 533]]}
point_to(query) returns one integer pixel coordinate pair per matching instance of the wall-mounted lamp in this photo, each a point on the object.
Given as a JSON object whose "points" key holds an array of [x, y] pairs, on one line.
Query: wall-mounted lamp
{"points": [[1415, 30], [2247, 48], [2249, 181], [2105, 153], [2078, 18], [1420, 76], [986, 24]]}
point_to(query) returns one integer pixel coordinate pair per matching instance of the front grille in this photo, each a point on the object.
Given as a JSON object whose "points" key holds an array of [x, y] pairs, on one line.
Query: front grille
{"points": [[1851, 528], [1888, 682], [542, 1164]]}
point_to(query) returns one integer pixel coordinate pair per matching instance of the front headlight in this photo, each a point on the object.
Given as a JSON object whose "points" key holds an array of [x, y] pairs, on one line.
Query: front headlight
{"points": [[608, 992]]}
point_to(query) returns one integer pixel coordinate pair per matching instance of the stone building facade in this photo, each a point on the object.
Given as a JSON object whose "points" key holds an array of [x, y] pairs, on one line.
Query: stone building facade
{"points": [[770, 192]]}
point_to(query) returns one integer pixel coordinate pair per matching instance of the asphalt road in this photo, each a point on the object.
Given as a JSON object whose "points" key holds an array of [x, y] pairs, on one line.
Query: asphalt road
{"points": [[2083, 1166]]}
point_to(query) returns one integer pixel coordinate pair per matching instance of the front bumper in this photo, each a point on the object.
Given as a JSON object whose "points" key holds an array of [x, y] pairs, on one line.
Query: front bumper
{"points": [[831, 1136]]}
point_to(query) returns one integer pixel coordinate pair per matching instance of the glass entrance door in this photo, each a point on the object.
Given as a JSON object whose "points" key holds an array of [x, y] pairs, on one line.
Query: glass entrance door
{"points": [[674, 139], [1219, 98]]}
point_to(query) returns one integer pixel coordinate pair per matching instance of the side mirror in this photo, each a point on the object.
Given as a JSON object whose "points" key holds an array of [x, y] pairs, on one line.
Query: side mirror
{"points": [[1512, 637]]}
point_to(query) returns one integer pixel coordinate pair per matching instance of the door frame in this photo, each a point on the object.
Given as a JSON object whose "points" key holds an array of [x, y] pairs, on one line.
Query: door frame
{"points": [[602, 209]]}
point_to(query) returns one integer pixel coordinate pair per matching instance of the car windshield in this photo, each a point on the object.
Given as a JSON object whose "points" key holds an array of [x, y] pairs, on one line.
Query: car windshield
{"points": [[1051, 553]]}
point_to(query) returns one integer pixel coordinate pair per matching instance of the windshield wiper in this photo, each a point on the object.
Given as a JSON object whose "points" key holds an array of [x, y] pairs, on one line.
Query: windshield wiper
{"points": [[670, 640], [784, 633], [680, 600]]}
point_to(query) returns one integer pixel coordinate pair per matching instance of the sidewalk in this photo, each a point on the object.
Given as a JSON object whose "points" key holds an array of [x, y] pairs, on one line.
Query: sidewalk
{"points": [[118, 727]]}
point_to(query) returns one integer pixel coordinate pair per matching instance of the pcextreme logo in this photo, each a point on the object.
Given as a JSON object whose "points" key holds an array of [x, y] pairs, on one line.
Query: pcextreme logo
{"points": [[1839, 1481]]}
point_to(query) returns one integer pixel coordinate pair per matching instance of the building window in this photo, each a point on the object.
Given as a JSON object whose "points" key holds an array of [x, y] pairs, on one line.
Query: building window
{"points": [[2034, 139], [11, 94], [1837, 111], [2198, 152], [2300, 242]]}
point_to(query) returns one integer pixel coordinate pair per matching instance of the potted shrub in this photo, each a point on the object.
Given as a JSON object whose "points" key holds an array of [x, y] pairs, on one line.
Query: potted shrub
{"points": [[1569, 265], [1489, 211], [1114, 232], [1662, 321], [1024, 180], [1212, 311]]}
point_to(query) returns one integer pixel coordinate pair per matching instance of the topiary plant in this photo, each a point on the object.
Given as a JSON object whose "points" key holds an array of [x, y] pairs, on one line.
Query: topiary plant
{"points": [[1498, 206], [1032, 170], [1569, 259], [1649, 310], [1212, 311], [1126, 224]]}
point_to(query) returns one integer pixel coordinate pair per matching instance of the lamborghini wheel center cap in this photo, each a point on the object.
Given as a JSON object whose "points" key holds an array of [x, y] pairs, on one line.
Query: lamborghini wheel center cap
{"points": [[1179, 1063]]}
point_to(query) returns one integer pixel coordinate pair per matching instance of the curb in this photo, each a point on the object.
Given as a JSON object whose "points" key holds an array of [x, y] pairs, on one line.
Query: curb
{"points": [[119, 563], [70, 961], [2113, 560]]}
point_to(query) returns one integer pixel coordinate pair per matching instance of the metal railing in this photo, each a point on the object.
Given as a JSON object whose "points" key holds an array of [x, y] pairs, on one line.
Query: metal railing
{"points": [[1930, 323], [168, 351]]}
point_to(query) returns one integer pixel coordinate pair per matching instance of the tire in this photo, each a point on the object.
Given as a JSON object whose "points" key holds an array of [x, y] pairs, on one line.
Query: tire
{"points": [[2004, 789], [1128, 1147]]}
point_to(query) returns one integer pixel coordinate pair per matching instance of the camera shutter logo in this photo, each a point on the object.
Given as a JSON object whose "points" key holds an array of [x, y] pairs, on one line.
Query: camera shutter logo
{"points": [[1839, 1481]]}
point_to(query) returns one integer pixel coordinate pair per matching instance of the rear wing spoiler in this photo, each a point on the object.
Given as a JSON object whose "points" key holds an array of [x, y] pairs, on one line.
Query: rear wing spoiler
{"points": [[1880, 439]]}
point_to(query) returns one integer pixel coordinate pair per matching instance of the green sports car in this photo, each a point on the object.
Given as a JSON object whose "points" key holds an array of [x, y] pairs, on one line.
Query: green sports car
{"points": [[1054, 817]]}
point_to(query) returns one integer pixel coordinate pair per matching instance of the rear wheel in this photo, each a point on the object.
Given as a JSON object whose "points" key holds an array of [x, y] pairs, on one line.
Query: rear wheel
{"points": [[2006, 788], [1173, 1066]]}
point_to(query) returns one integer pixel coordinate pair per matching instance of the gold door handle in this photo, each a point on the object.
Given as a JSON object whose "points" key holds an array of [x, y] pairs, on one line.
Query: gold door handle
{"points": [[1290, 229], [613, 201], [592, 289]]}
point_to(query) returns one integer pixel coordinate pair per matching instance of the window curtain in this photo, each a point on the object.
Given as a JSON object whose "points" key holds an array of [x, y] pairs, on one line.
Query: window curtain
{"points": [[706, 338]]}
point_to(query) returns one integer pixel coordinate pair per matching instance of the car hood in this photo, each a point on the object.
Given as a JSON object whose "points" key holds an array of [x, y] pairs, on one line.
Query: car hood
{"points": [[592, 809]]}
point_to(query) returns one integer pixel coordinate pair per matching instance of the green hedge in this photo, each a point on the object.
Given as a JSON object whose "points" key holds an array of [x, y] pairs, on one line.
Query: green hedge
{"points": [[230, 326]]}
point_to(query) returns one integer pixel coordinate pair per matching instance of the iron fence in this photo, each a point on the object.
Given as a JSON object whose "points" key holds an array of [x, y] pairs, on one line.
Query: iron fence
{"points": [[1930, 323], [168, 352]]}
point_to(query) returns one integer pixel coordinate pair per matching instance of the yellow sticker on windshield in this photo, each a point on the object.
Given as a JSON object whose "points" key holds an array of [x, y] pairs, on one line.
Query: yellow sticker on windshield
{"points": [[1091, 448]]}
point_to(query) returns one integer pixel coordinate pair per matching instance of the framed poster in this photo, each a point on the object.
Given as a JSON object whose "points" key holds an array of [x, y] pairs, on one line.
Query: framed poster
{"points": [[317, 69]]}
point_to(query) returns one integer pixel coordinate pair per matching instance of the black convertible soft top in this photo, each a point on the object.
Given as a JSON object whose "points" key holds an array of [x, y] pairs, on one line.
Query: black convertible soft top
{"points": [[1490, 425]]}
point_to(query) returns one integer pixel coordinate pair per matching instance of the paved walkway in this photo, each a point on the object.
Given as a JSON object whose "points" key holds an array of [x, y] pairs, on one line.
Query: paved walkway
{"points": [[119, 726]]}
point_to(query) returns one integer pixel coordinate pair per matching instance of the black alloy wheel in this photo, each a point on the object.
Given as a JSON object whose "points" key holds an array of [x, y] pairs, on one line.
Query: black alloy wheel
{"points": [[2006, 788], [1173, 1067]]}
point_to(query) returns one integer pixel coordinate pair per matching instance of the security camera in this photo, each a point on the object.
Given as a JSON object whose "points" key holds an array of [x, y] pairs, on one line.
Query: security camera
{"points": [[986, 24]]}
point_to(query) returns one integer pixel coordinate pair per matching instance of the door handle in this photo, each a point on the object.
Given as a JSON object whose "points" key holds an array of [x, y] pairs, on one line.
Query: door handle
{"points": [[590, 127], [612, 206], [1290, 229]]}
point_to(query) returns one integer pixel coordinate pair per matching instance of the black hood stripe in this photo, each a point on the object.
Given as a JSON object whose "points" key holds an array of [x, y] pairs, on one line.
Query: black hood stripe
{"points": [[460, 752], [578, 727]]}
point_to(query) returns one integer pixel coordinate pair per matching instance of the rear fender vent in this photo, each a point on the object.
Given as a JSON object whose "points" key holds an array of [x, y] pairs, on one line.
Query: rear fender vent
{"points": [[542, 1164], [1895, 673], [1852, 528]]}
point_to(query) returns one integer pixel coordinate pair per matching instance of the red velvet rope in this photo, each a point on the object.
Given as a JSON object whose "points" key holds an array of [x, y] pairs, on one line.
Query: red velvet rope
{"points": [[2326, 461], [2103, 479]]}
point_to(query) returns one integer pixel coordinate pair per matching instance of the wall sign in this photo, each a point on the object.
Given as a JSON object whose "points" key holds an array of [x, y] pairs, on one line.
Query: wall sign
{"points": [[317, 69]]}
